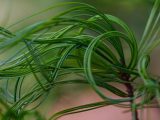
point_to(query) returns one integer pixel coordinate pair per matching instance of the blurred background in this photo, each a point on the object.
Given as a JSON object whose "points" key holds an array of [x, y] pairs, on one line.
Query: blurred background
{"points": [[133, 12]]}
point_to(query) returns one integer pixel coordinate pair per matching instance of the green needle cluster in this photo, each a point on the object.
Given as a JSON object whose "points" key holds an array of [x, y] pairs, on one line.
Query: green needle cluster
{"points": [[82, 42]]}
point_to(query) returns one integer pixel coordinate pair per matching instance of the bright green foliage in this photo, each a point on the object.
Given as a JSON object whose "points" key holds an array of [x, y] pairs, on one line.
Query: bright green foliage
{"points": [[83, 42]]}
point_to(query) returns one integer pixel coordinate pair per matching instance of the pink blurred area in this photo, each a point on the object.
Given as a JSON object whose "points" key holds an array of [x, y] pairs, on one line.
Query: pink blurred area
{"points": [[105, 113]]}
